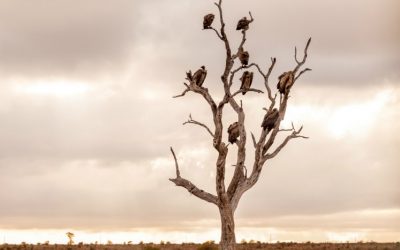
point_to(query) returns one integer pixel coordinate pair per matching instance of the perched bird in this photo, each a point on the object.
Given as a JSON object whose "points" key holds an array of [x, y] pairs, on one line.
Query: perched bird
{"points": [[270, 119], [286, 81], [199, 76], [208, 19], [247, 80], [243, 24], [233, 132], [189, 76], [244, 56]]}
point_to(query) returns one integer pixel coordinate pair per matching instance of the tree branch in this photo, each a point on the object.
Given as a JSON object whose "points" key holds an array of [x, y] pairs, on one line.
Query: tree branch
{"points": [[246, 90], [295, 134], [199, 90], [190, 187], [266, 82], [191, 121], [301, 72], [223, 34], [178, 174], [216, 32], [184, 92], [300, 63]]}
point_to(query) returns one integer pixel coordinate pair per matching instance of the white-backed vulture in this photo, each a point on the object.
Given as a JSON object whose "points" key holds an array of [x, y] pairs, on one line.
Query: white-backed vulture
{"points": [[247, 80], [233, 132], [286, 81], [243, 24], [208, 20], [199, 76], [243, 56], [270, 119]]}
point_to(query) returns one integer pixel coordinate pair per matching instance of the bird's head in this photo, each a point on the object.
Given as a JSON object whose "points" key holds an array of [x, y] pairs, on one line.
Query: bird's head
{"points": [[203, 67]]}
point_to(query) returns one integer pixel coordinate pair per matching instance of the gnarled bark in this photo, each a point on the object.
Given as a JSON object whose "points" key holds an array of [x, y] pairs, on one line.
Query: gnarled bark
{"points": [[227, 199]]}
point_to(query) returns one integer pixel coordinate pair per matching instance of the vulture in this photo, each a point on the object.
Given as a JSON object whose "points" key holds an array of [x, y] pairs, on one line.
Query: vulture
{"points": [[270, 119], [199, 76], [244, 56], [189, 76], [208, 19], [247, 79], [286, 81], [233, 132], [243, 24]]}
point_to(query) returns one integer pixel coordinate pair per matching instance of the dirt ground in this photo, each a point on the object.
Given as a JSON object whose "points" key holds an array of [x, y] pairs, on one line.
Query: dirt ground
{"points": [[209, 246]]}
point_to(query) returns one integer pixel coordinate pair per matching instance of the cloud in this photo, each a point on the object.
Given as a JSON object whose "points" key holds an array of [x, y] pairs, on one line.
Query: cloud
{"points": [[87, 116], [61, 38]]}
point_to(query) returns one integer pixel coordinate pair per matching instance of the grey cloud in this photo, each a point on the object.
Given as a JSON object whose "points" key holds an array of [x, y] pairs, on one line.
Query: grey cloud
{"points": [[59, 37], [111, 142]]}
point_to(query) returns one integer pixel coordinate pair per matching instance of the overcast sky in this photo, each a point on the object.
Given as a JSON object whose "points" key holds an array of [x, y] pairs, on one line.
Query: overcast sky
{"points": [[87, 119]]}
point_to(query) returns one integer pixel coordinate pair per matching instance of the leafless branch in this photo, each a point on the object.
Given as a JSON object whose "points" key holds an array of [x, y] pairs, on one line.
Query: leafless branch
{"points": [[202, 91], [246, 90], [178, 174], [190, 187], [184, 92], [295, 134], [300, 63], [285, 130], [295, 55], [191, 121], [222, 31], [302, 72], [266, 81], [216, 32]]}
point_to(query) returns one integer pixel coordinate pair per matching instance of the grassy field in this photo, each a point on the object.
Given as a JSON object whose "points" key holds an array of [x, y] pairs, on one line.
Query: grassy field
{"points": [[208, 246]]}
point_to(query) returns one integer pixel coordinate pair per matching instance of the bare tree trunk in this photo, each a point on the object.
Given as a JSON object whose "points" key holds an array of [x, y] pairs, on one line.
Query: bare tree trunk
{"points": [[228, 240]]}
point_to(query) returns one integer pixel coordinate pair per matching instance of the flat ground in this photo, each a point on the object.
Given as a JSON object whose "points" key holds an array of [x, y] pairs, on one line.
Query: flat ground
{"points": [[209, 246]]}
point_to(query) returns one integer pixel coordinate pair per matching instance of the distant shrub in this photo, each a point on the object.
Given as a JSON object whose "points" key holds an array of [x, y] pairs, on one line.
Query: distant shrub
{"points": [[151, 248], [208, 245]]}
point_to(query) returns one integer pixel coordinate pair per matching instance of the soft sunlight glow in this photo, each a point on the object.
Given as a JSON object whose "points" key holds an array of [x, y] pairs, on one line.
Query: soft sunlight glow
{"points": [[52, 88], [353, 118], [357, 119], [345, 237], [149, 94], [199, 231]]}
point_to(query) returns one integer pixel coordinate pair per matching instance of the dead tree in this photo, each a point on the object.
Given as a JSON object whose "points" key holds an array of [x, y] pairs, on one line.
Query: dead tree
{"points": [[227, 198]]}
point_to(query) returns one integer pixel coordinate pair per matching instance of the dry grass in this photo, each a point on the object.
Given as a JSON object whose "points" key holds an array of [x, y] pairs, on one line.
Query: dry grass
{"points": [[210, 246]]}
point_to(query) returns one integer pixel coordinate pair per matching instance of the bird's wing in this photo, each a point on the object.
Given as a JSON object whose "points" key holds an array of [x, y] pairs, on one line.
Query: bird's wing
{"points": [[243, 80], [196, 75], [264, 122], [230, 128], [249, 80]]}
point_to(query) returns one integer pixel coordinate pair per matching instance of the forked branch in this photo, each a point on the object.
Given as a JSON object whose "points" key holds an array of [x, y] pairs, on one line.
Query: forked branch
{"points": [[190, 187], [295, 134], [301, 63]]}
